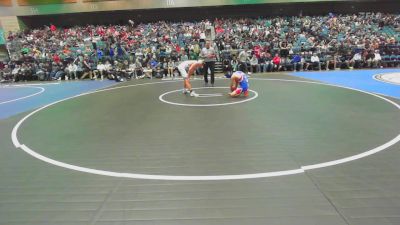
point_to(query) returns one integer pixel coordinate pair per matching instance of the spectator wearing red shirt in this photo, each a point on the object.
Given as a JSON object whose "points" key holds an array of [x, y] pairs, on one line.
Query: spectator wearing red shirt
{"points": [[56, 58], [178, 48], [257, 51], [53, 28], [219, 30], [276, 61]]}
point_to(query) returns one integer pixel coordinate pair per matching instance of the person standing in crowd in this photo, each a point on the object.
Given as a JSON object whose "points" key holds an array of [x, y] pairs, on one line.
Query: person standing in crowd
{"points": [[165, 68], [377, 59], [87, 68], [243, 58], [209, 56]]}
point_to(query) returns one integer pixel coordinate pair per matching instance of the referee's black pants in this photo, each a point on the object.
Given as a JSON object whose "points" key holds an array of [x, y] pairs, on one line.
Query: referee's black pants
{"points": [[210, 65]]}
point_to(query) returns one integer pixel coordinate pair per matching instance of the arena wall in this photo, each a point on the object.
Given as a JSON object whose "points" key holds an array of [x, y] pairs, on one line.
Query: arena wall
{"points": [[198, 13]]}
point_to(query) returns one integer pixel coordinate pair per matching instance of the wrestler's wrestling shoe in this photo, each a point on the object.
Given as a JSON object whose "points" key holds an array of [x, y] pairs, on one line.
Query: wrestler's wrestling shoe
{"points": [[194, 94], [246, 93]]}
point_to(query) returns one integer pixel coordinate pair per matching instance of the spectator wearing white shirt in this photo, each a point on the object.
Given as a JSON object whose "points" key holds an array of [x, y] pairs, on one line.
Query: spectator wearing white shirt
{"points": [[202, 38], [356, 61], [99, 70], [243, 58], [108, 69], [72, 71], [315, 61], [131, 70], [16, 72], [377, 59]]}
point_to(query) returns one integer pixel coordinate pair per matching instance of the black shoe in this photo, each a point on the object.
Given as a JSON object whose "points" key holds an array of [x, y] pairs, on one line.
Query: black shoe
{"points": [[205, 84]]}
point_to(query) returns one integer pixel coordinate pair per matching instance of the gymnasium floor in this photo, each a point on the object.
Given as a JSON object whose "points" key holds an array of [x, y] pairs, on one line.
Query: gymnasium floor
{"points": [[303, 149]]}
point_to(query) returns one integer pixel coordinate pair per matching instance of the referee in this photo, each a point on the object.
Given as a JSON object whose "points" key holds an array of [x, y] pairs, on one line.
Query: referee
{"points": [[209, 56]]}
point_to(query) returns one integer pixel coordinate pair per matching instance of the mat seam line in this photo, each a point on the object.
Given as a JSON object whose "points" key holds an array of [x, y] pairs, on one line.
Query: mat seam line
{"points": [[101, 208], [326, 197]]}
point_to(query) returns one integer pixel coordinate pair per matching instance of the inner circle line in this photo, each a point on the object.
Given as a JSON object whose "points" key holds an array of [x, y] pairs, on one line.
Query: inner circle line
{"points": [[161, 98]]}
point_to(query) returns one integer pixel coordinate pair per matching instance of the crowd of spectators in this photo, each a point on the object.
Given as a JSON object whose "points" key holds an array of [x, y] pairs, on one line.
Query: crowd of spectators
{"points": [[143, 50], [253, 45], [310, 43]]}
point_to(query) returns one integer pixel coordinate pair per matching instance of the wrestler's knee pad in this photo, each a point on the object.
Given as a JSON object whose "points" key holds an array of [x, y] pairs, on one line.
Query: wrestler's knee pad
{"points": [[238, 91]]}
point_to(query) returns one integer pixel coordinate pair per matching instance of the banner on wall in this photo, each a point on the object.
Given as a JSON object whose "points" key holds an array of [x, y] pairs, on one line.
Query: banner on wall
{"points": [[45, 7]]}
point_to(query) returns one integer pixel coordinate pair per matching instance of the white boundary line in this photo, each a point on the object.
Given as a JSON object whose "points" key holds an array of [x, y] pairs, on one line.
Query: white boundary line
{"points": [[302, 169], [211, 95], [28, 96], [161, 98], [377, 78]]}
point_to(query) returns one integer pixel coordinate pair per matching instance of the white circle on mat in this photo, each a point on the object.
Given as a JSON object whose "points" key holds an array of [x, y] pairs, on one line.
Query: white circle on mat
{"points": [[391, 78], [41, 90], [301, 169], [161, 98]]}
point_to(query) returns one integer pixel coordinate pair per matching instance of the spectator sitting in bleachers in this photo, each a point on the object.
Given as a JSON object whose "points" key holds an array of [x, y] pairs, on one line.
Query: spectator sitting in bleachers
{"points": [[5, 74], [316, 63], [356, 61], [276, 63], [254, 66], [297, 62], [99, 71], [369, 58], [234, 64]]}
